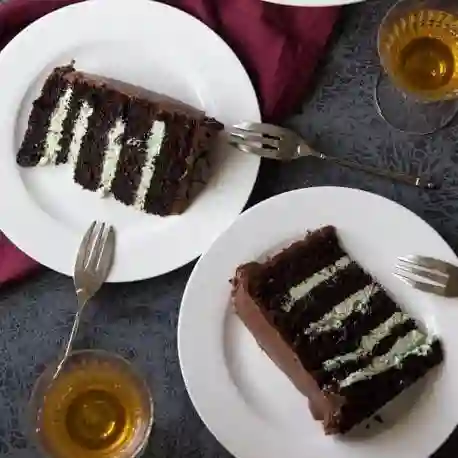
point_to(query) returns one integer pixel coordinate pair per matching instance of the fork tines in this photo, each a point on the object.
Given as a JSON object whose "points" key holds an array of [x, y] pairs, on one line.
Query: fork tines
{"points": [[267, 130], [256, 138], [98, 240], [252, 139], [253, 135], [424, 273]]}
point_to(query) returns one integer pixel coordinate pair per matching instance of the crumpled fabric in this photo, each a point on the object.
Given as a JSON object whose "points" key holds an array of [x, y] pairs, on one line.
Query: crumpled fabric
{"points": [[279, 46]]}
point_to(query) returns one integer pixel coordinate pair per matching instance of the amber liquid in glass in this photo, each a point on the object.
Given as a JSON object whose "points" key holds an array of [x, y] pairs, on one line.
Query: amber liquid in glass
{"points": [[93, 410], [421, 53]]}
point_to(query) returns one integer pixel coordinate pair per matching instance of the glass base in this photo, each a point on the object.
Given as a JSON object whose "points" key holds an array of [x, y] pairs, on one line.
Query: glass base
{"points": [[408, 115], [97, 406]]}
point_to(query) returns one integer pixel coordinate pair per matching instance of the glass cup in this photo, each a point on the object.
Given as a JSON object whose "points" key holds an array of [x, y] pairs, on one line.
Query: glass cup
{"points": [[98, 407], [418, 49]]}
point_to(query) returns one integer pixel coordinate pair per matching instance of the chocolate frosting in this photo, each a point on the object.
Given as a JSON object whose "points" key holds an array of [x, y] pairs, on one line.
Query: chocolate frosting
{"points": [[164, 102], [324, 406]]}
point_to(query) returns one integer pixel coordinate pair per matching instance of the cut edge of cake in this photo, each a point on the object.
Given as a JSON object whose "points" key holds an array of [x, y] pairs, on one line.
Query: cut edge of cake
{"points": [[348, 374], [146, 149]]}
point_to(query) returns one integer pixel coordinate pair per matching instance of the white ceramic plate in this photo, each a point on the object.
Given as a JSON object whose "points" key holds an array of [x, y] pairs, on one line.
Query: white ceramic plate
{"points": [[141, 42], [248, 404], [314, 2]]}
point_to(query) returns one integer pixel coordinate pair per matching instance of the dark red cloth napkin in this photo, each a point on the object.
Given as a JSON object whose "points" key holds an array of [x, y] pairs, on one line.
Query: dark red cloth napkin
{"points": [[278, 45]]}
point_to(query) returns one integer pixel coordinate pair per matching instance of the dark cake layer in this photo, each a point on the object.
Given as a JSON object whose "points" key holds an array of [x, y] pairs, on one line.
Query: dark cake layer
{"points": [[146, 149], [138, 118], [105, 109], [332, 329], [32, 147]]}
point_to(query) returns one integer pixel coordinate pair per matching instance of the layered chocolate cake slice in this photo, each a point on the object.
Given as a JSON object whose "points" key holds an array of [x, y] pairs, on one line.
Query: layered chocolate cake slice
{"points": [[145, 149], [332, 329]]}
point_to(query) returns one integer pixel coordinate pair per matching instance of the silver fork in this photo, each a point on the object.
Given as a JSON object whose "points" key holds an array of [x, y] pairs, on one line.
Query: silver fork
{"points": [[428, 274], [92, 266], [273, 142]]}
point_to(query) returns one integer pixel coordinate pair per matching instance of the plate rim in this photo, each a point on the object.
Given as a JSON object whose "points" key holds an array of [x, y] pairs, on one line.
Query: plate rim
{"points": [[225, 439], [28, 244]]}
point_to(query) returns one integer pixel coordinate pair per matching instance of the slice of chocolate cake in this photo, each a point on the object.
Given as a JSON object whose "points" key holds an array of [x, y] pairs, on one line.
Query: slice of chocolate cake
{"points": [[146, 149], [332, 329]]}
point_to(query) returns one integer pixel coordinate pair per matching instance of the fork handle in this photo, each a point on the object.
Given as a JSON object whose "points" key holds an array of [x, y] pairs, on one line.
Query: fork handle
{"points": [[411, 180], [69, 345]]}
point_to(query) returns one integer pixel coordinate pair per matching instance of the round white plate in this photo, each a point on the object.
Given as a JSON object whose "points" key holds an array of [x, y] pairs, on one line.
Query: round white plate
{"points": [[247, 403], [314, 2], [145, 43]]}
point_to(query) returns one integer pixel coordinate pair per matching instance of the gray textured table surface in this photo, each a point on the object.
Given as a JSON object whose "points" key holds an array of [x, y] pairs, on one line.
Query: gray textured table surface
{"points": [[139, 320]]}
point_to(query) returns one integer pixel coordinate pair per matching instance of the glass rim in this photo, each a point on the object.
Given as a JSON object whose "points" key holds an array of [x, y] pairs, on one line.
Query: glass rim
{"points": [[426, 96], [383, 22], [33, 414]]}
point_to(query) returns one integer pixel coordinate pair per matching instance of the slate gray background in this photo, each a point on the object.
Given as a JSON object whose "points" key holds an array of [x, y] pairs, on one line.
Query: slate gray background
{"points": [[139, 320]]}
